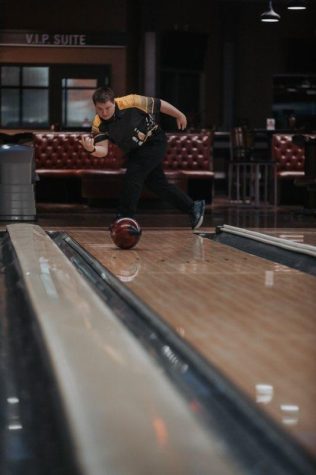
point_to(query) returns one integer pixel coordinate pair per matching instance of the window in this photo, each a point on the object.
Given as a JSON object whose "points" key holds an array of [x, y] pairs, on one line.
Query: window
{"points": [[24, 96], [77, 107], [43, 96]]}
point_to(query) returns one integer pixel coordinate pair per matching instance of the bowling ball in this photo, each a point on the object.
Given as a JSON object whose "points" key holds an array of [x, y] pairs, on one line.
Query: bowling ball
{"points": [[125, 233]]}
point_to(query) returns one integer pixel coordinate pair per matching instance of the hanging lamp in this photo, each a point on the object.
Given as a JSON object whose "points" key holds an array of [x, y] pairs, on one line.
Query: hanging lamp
{"points": [[270, 15], [296, 5]]}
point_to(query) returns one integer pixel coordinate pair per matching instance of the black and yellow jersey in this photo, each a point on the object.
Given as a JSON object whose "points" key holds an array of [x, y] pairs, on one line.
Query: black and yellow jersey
{"points": [[133, 122]]}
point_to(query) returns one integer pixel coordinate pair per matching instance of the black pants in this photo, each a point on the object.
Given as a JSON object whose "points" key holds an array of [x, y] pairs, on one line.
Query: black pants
{"points": [[144, 167]]}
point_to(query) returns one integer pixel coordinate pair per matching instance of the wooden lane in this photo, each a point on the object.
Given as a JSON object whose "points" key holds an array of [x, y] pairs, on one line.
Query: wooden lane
{"points": [[254, 319], [125, 416]]}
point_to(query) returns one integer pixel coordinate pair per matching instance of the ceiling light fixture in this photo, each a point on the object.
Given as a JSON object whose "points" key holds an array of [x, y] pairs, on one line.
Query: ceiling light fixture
{"points": [[270, 15], [296, 5]]}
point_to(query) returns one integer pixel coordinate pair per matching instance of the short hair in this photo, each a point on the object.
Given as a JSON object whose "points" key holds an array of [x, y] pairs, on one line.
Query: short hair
{"points": [[103, 94]]}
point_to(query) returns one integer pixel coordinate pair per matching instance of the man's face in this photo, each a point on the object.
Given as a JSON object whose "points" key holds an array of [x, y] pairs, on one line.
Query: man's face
{"points": [[105, 110]]}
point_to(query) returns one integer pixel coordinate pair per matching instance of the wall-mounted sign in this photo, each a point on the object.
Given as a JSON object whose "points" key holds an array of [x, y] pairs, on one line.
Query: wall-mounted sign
{"points": [[55, 39], [34, 38]]}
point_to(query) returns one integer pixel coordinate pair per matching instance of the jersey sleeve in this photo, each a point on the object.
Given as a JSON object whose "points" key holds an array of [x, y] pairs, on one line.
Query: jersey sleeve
{"points": [[100, 137], [149, 105], [95, 127], [97, 130]]}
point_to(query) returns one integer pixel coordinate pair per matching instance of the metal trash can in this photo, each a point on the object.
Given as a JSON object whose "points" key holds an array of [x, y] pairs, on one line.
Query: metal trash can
{"points": [[17, 196]]}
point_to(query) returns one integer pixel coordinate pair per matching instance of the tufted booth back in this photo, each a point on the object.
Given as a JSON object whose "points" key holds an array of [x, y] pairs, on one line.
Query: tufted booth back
{"points": [[191, 151], [289, 157], [63, 151]]}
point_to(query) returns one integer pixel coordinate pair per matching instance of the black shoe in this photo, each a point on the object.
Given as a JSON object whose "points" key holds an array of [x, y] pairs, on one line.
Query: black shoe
{"points": [[197, 214]]}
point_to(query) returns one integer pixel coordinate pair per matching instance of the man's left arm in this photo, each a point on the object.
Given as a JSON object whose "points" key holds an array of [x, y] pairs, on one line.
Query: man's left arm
{"points": [[169, 109], [150, 105]]}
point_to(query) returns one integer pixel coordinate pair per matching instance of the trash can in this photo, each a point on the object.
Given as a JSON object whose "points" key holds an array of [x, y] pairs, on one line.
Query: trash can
{"points": [[17, 196]]}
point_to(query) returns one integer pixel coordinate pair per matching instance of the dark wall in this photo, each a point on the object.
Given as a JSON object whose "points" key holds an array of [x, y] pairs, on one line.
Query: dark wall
{"points": [[241, 54], [265, 50], [64, 15]]}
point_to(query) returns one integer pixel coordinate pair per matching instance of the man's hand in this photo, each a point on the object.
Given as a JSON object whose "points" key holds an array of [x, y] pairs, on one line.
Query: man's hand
{"points": [[87, 143], [181, 121], [169, 109]]}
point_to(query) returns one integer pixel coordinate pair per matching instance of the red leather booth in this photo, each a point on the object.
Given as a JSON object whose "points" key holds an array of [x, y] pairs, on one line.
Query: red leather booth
{"points": [[290, 160], [289, 157], [188, 163]]}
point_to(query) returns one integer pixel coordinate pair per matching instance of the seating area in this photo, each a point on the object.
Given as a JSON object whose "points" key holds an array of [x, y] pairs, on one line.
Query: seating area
{"points": [[267, 176], [188, 164], [271, 175]]}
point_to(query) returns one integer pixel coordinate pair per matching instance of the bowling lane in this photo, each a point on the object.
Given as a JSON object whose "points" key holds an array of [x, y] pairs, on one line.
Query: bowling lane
{"points": [[252, 318], [123, 413]]}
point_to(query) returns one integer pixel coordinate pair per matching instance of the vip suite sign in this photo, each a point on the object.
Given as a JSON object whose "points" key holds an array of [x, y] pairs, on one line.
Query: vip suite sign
{"points": [[56, 39], [30, 38]]}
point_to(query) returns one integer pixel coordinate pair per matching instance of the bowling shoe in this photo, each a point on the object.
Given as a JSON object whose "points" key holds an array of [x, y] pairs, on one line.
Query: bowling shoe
{"points": [[197, 214]]}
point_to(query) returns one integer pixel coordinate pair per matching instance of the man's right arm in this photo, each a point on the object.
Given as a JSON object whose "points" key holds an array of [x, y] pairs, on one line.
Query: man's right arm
{"points": [[97, 144], [99, 149]]}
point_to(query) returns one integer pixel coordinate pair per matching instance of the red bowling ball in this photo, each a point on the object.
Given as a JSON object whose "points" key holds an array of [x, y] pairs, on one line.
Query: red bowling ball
{"points": [[125, 233]]}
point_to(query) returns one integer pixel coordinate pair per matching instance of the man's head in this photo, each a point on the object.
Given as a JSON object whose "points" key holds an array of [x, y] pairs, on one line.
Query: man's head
{"points": [[103, 99]]}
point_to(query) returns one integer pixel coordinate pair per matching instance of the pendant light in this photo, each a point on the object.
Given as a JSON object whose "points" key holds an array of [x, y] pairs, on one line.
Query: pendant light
{"points": [[296, 5], [270, 15]]}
